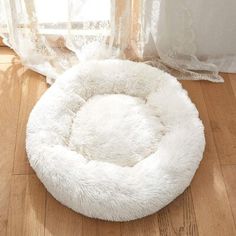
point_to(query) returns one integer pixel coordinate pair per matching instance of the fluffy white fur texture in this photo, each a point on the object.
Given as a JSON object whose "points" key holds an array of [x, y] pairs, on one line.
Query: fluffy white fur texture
{"points": [[115, 140]]}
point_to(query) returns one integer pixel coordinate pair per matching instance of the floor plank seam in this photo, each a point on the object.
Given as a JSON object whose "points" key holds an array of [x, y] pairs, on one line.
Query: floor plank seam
{"points": [[22, 174], [230, 84], [45, 213], [190, 188], [228, 164]]}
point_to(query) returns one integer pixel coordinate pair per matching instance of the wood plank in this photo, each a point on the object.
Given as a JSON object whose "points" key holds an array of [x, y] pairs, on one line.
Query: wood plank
{"points": [[33, 86], [211, 204], [229, 172], [5, 190], [221, 107], [178, 218], [89, 227], [9, 109], [7, 55], [27, 206], [61, 220], [10, 94], [147, 226], [57, 215], [106, 228]]}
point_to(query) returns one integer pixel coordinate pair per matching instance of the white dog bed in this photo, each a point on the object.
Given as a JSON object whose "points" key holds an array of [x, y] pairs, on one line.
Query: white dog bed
{"points": [[115, 140]]}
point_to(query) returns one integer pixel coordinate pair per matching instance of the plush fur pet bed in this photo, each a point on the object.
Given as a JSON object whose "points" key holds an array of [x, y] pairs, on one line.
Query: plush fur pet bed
{"points": [[115, 140]]}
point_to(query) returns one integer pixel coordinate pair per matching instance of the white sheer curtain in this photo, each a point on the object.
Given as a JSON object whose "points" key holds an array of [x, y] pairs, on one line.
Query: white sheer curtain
{"points": [[197, 35], [51, 36]]}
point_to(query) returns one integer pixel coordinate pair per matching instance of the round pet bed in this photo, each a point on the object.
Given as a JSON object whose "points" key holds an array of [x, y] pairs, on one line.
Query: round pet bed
{"points": [[115, 140]]}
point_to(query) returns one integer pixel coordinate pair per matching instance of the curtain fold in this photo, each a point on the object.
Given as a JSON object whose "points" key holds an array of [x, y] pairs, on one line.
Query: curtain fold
{"points": [[52, 36]]}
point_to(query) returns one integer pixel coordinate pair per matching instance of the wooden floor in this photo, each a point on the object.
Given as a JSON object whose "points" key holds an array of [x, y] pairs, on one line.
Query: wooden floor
{"points": [[207, 207]]}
